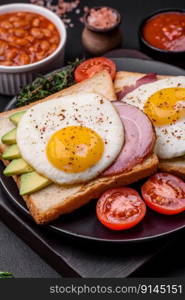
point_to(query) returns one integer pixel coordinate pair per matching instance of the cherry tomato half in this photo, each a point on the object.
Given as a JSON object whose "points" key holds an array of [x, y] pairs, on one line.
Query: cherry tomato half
{"points": [[165, 193], [90, 67], [120, 208]]}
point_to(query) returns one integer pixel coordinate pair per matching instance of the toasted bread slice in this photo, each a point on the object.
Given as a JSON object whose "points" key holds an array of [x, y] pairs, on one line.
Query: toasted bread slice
{"points": [[54, 200], [124, 78], [175, 166], [101, 83]]}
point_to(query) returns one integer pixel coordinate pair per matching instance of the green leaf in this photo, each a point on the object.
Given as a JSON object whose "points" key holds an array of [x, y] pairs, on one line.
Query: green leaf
{"points": [[5, 275]]}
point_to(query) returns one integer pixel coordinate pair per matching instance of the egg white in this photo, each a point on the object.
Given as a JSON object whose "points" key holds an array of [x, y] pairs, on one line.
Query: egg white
{"points": [[88, 110], [170, 141]]}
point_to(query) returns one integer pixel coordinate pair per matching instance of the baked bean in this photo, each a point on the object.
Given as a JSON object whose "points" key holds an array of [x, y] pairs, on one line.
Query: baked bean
{"points": [[21, 42], [24, 59], [42, 18], [3, 33], [37, 33], [19, 24], [3, 47], [51, 27], [54, 40], [19, 32], [52, 48], [44, 45], [26, 37], [6, 24], [40, 55], [31, 49], [11, 39], [30, 38], [11, 54], [11, 31], [21, 14], [29, 17], [36, 47], [36, 22], [47, 32], [13, 18]]}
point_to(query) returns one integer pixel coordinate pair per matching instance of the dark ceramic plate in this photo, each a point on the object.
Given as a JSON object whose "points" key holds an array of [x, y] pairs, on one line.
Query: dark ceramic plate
{"points": [[83, 223]]}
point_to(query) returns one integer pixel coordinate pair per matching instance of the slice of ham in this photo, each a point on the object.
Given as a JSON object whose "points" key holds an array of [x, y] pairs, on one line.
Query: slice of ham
{"points": [[151, 77], [139, 139]]}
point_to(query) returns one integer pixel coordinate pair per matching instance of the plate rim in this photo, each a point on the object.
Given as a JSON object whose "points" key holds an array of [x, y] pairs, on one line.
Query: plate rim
{"points": [[81, 236], [84, 237]]}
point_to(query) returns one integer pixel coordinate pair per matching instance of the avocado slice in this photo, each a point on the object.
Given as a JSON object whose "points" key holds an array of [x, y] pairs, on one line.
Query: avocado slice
{"points": [[15, 118], [32, 182], [16, 167], [11, 152], [10, 137]]}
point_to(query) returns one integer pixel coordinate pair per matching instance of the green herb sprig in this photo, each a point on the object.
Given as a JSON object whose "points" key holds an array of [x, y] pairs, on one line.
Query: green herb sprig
{"points": [[5, 275], [44, 86]]}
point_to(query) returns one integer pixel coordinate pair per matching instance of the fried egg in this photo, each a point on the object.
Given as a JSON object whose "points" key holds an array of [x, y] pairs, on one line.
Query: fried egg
{"points": [[164, 103], [71, 139]]}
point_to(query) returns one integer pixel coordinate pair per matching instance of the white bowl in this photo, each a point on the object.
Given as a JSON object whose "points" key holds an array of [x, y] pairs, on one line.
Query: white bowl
{"points": [[13, 78]]}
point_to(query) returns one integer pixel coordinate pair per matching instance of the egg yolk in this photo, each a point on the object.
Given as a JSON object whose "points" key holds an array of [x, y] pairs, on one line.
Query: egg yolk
{"points": [[74, 149], [166, 106]]}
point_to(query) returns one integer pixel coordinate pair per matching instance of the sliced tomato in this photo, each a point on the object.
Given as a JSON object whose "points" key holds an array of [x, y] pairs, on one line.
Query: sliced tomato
{"points": [[90, 67], [120, 208], [165, 193]]}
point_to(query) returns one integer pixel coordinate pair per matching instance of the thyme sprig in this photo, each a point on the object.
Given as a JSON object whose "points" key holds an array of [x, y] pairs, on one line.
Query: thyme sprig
{"points": [[44, 86], [5, 275]]}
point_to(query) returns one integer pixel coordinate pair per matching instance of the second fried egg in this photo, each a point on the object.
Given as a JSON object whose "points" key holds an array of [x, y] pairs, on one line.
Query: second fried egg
{"points": [[164, 103]]}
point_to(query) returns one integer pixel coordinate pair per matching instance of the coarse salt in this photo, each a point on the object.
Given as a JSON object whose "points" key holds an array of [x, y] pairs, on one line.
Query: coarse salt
{"points": [[61, 9], [102, 18]]}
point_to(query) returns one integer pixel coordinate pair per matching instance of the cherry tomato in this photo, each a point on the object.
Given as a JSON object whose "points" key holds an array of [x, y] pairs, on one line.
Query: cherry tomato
{"points": [[90, 67], [165, 193], [120, 208]]}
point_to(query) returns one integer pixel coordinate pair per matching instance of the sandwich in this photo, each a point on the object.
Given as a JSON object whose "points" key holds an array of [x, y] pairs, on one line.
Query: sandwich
{"points": [[162, 99], [69, 148]]}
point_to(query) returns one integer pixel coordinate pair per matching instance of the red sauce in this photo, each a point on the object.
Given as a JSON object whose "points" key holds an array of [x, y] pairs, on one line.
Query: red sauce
{"points": [[166, 31], [25, 38]]}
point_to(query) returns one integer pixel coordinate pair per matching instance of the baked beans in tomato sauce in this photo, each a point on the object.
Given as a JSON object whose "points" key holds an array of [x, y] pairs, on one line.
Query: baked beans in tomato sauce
{"points": [[26, 38], [166, 31]]}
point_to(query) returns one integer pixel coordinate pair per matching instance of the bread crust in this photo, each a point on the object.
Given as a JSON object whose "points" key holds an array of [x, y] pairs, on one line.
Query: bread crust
{"points": [[124, 78], [173, 166], [107, 91], [90, 190]]}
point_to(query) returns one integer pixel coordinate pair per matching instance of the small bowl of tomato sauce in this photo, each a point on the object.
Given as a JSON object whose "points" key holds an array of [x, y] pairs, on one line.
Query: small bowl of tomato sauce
{"points": [[162, 35], [32, 42]]}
